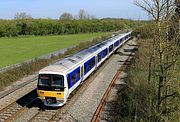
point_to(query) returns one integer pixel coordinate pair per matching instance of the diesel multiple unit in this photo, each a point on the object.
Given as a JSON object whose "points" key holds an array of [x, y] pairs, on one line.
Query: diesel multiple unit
{"points": [[57, 81]]}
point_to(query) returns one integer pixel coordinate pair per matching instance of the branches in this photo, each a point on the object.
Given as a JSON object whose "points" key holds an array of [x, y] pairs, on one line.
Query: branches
{"points": [[22, 15], [165, 48], [174, 94], [156, 8], [146, 7]]}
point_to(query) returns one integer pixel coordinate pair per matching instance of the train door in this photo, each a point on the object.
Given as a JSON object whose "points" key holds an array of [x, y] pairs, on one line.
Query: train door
{"points": [[82, 73], [66, 87]]}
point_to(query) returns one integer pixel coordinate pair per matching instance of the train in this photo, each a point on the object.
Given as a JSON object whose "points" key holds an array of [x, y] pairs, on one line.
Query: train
{"points": [[57, 81]]}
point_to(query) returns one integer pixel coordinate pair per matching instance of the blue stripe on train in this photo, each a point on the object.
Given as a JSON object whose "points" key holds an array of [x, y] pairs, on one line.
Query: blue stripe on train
{"points": [[73, 77], [89, 65]]}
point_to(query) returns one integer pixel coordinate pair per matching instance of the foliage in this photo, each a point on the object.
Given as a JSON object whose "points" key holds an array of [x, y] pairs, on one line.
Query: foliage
{"points": [[153, 93], [162, 79], [136, 101], [66, 16], [145, 30], [10, 28]]}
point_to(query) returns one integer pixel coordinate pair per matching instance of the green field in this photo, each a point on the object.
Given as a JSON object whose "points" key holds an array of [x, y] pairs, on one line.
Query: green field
{"points": [[16, 50]]}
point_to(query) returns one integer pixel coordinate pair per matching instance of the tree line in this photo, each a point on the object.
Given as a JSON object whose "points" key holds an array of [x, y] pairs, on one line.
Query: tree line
{"points": [[23, 24], [22, 27]]}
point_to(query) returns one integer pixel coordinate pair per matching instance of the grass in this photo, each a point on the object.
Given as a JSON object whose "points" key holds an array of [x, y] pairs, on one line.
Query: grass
{"points": [[127, 96], [138, 100], [19, 49], [14, 74]]}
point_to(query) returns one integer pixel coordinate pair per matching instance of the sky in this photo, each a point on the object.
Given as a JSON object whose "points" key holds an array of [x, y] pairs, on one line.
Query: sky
{"points": [[54, 8]]}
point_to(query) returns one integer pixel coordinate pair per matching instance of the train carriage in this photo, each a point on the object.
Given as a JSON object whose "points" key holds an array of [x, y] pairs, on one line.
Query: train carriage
{"points": [[57, 81]]}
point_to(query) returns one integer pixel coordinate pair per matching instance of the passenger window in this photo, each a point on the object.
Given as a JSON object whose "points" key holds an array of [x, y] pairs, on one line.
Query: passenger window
{"points": [[115, 44], [110, 48], [99, 57], [73, 78], [68, 80], [105, 52], [91, 64], [85, 69], [78, 75]]}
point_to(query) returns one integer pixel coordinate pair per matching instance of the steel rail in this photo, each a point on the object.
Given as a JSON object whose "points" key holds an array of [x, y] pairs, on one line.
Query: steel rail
{"points": [[47, 114], [14, 110], [98, 113], [72, 98]]}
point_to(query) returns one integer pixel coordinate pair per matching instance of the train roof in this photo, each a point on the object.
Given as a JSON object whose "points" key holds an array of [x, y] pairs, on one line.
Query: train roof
{"points": [[68, 62]]}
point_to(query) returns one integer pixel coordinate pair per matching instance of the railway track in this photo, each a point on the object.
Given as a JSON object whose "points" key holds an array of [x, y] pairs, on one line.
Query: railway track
{"points": [[43, 116], [15, 109], [54, 115], [97, 115], [49, 115]]}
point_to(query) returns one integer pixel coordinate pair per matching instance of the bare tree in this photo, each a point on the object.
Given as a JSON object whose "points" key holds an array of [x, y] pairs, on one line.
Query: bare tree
{"points": [[66, 16], [22, 15], [92, 17], [177, 15], [164, 56], [157, 9], [83, 14]]}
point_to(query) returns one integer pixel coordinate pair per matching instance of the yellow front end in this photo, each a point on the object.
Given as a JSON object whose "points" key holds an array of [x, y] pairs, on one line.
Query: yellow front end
{"points": [[56, 94], [51, 98]]}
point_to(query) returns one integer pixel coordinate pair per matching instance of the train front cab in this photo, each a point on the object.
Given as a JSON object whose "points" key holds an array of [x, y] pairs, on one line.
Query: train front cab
{"points": [[52, 89]]}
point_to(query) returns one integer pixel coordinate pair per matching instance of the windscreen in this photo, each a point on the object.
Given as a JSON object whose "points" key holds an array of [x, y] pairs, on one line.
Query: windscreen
{"points": [[50, 81]]}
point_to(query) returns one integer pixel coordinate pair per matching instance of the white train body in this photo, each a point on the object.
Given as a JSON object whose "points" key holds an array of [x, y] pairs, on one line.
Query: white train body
{"points": [[56, 82]]}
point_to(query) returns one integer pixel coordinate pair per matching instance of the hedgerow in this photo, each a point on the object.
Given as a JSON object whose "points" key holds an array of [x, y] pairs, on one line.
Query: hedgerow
{"points": [[23, 27]]}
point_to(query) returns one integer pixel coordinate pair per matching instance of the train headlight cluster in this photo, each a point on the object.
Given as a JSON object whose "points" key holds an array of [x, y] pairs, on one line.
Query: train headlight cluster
{"points": [[58, 93]]}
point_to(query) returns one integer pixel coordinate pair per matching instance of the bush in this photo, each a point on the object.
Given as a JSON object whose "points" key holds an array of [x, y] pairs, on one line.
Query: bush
{"points": [[145, 30]]}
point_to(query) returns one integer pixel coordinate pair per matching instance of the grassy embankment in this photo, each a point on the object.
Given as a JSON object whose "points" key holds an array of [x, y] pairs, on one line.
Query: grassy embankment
{"points": [[125, 106], [17, 50], [132, 101]]}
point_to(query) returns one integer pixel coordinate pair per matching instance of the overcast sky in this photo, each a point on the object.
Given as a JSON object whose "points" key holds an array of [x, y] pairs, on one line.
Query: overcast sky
{"points": [[54, 8]]}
